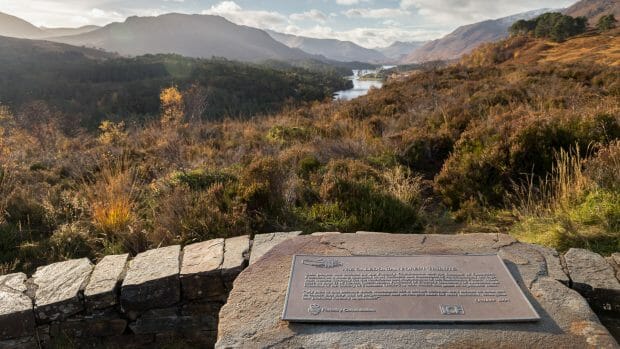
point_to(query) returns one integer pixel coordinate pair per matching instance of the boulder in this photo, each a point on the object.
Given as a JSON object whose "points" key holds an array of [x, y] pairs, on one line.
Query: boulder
{"points": [[201, 276], [236, 255], [263, 243], [251, 317], [594, 278], [58, 289], [16, 313], [152, 281], [100, 293]]}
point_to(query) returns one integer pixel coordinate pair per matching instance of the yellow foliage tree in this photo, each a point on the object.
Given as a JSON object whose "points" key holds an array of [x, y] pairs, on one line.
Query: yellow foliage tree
{"points": [[172, 107]]}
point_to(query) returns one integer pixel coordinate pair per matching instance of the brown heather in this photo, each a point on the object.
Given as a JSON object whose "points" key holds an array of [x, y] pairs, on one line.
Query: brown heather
{"points": [[491, 144]]}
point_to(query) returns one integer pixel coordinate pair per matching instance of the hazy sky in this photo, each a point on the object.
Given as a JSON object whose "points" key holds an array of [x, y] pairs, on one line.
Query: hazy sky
{"points": [[366, 22]]}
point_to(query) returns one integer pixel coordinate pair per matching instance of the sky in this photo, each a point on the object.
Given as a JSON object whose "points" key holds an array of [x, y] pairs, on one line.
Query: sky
{"points": [[370, 23]]}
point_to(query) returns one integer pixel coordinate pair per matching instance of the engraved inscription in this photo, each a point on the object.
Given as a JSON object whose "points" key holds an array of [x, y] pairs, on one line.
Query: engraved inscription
{"points": [[415, 288]]}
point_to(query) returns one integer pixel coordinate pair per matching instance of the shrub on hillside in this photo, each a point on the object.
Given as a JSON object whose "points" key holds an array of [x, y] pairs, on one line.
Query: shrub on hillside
{"points": [[607, 22], [552, 25]]}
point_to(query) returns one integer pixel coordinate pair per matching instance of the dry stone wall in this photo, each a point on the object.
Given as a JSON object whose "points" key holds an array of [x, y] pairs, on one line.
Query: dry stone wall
{"points": [[174, 294]]}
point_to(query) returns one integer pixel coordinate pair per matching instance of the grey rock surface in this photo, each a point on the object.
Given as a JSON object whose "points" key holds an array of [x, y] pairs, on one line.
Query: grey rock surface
{"points": [[554, 264], [98, 325], [263, 243], [16, 312], [101, 291], [321, 233], [58, 288], [152, 280], [594, 278], [251, 317], [236, 255], [201, 276]]}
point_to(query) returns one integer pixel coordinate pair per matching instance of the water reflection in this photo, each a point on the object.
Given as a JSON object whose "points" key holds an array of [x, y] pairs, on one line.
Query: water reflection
{"points": [[361, 86]]}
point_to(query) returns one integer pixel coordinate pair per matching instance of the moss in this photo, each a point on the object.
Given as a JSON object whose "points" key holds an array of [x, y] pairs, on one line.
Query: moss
{"points": [[592, 223], [201, 179]]}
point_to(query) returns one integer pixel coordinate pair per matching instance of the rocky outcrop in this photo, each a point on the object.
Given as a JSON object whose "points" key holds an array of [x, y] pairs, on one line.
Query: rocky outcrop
{"points": [[595, 278], [174, 295], [257, 300]]}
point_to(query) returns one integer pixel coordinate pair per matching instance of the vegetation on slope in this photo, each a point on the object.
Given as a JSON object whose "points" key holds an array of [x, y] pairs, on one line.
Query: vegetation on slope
{"points": [[91, 86], [488, 145]]}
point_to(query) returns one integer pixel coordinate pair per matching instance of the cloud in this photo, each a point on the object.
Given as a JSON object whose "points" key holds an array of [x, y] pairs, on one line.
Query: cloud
{"points": [[349, 2], [376, 13], [312, 15], [459, 12], [259, 19]]}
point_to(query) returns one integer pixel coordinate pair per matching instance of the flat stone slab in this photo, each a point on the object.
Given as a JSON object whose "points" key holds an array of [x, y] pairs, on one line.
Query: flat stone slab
{"points": [[201, 276], [100, 293], [16, 313], [152, 280], [236, 255], [594, 278], [252, 316], [263, 243], [58, 288]]}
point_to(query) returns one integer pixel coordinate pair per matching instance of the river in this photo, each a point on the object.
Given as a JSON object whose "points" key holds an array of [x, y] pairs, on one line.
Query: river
{"points": [[360, 87]]}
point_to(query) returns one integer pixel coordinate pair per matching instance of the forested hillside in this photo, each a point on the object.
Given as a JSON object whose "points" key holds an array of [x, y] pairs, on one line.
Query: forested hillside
{"points": [[487, 145], [88, 85]]}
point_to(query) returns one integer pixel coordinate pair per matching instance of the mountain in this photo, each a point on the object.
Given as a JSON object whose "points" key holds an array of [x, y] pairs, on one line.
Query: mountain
{"points": [[18, 28], [52, 32], [466, 38], [594, 9], [399, 50], [200, 36], [342, 51]]}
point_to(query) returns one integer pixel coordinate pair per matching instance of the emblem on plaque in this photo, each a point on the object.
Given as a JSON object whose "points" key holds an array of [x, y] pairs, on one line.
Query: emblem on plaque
{"points": [[452, 309], [314, 309], [323, 262]]}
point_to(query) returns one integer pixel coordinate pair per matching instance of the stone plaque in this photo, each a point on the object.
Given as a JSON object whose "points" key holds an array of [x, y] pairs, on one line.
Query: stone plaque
{"points": [[404, 289]]}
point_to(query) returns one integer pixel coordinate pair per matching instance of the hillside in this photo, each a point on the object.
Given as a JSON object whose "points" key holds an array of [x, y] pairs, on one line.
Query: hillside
{"points": [[502, 147], [337, 50], [54, 32], [466, 38], [590, 48], [594, 9], [88, 85], [200, 36], [399, 50], [15, 27]]}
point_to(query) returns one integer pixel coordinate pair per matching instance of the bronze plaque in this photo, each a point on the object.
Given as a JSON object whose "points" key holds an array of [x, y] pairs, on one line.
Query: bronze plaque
{"points": [[404, 289]]}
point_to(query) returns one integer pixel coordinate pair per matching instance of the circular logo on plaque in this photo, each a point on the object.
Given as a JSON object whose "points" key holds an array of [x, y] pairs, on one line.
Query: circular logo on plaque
{"points": [[314, 309]]}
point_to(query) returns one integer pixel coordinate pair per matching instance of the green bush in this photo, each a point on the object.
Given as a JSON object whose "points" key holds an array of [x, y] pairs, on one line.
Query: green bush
{"points": [[552, 25], [607, 22]]}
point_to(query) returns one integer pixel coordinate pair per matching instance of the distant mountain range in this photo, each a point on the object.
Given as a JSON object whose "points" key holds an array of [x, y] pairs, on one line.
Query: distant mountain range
{"points": [[337, 50], [205, 36], [201, 36], [399, 50], [466, 38], [12, 26]]}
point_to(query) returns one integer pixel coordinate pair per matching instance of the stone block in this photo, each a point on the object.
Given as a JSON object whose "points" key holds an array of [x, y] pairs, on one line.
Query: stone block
{"points": [[201, 275], [105, 324], [16, 312], [170, 320], [152, 281], [263, 243], [251, 316], [236, 254], [594, 278], [59, 287], [101, 291]]}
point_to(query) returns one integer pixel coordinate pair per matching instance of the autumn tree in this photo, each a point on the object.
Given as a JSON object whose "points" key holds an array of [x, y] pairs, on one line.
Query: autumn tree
{"points": [[172, 107]]}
